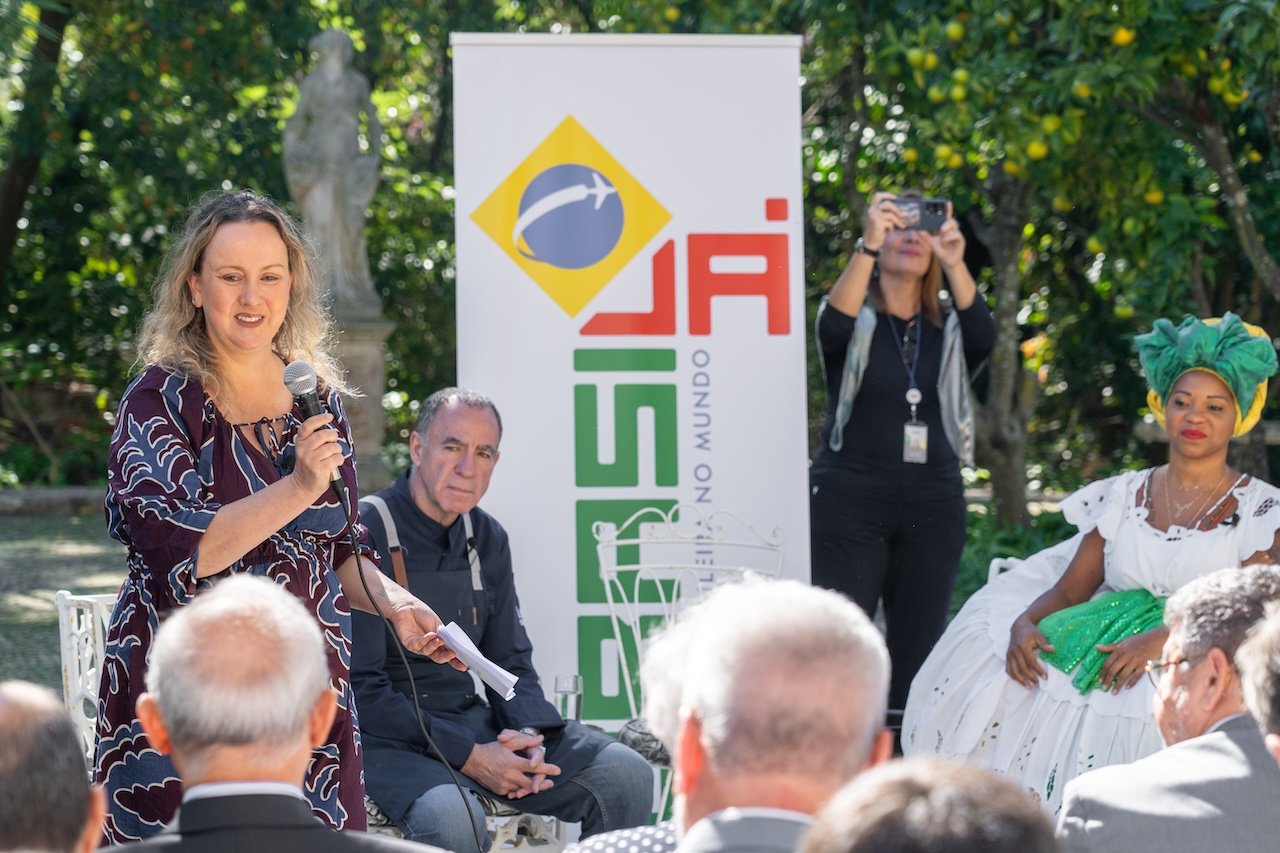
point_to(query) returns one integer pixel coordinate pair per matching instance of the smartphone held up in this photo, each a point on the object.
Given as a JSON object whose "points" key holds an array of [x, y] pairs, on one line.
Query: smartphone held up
{"points": [[924, 214]]}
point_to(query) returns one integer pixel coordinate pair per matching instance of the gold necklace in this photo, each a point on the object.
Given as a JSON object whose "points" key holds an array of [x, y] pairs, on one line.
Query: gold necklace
{"points": [[1182, 508]]}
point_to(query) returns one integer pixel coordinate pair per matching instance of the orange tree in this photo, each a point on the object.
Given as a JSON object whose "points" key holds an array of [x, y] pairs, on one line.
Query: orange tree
{"points": [[1164, 189], [1109, 165], [1098, 174], [127, 112]]}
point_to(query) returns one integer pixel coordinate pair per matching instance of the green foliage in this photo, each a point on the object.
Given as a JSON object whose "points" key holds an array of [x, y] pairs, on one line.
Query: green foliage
{"points": [[159, 103], [1096, 118], [986, 542], [1094, 142]]}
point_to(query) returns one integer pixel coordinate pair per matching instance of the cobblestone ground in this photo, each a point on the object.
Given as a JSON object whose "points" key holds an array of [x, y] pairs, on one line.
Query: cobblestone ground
{"points": [[38, 557]]}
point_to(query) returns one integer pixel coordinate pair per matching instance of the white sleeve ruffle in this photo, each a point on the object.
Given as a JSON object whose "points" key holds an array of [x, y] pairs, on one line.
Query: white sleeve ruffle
{"points": [[1102, 505], [1259, 508]]}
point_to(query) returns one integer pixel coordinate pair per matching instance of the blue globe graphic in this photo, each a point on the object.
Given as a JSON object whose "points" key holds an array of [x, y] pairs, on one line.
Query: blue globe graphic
{"points": [[570, 217]]}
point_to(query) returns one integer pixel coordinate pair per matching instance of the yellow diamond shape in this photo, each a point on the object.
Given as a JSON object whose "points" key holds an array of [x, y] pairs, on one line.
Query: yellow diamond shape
{"points": [[499, 215]]}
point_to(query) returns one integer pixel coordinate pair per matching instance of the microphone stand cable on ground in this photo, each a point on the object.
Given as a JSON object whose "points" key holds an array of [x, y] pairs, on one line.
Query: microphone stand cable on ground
{"points": [[300, 379], [400, 650]]}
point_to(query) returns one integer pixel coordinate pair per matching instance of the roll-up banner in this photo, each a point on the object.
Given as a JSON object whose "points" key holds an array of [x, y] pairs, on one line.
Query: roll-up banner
{"points": [[630, 292]]}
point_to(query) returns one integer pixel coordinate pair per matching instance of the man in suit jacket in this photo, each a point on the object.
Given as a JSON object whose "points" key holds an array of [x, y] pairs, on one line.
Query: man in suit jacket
{"points": [[773, 694], [46, 801], [238, 693], [1214, 783], [1259, 664], [781, 692]]}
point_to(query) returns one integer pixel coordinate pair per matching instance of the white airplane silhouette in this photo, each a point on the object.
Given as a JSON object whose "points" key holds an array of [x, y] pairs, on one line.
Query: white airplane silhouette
{"points": [[600, 190]]}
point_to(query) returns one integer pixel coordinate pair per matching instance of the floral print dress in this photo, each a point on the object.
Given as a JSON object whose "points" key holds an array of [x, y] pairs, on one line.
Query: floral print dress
{"points": [[174, 461]]}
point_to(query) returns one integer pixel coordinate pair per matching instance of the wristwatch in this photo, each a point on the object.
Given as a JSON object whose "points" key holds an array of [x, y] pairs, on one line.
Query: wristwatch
{"points": [[861, 247]]}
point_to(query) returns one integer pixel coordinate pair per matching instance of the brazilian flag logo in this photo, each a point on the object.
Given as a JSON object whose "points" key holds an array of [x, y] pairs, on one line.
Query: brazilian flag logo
{"points": [[570, 216]]}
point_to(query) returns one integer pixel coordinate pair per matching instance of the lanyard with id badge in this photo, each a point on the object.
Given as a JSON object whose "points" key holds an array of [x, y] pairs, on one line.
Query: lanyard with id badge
{"points": [[915, 433]]}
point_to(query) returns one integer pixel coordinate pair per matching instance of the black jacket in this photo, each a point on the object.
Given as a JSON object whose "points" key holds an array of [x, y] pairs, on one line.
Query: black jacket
{"points": [[275, 822], [397, 763]]}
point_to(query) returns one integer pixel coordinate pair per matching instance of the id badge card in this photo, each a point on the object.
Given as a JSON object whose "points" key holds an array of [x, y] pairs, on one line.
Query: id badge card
{"points": [[915, 442]]}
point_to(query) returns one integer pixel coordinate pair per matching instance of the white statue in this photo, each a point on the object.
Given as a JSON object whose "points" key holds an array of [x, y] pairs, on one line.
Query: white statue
{"points": [[329, 177]]}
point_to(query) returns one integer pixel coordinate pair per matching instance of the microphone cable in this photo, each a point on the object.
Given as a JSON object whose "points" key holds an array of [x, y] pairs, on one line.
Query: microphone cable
{"points": [[404, 661], [349, 510], [300, 381]]}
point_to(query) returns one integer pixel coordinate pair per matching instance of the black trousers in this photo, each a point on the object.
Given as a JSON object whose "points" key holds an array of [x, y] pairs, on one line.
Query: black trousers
{"points": [[879, 540]]}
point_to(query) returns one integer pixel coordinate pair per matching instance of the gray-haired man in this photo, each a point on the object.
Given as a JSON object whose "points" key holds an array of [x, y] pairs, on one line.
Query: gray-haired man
{"points": [[1259, 663], [1214, 782], [238, 693], [434, 538], [772, 695]]}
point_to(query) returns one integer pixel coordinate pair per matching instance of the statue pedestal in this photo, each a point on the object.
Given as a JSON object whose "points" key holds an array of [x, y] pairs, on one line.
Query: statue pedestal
{"points": [[361, 350]]}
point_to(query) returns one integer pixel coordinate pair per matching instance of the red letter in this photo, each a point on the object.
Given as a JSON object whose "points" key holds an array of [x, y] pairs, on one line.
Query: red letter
{"points": [[661, 320], [771, 283]]}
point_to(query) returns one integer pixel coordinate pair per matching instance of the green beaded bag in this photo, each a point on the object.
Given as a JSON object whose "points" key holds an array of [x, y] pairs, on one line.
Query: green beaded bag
{"points": [[1075, 631]]}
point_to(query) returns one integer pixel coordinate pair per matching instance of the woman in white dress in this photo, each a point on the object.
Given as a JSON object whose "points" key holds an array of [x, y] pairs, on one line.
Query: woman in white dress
{"points": [[1040, 676]]}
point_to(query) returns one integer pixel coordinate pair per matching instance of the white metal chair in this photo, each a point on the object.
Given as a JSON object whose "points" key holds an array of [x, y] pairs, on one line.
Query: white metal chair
{"points": [[999, 565], [508, 827], [658, 562], [82, 629]]}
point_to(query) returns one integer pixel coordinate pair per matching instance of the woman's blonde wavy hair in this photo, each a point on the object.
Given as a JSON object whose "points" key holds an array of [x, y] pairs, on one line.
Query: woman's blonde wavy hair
{"points": [[172, 334]]}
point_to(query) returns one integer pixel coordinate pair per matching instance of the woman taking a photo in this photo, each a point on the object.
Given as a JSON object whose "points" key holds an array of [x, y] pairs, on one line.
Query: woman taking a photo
{"points": [[887, 512]]}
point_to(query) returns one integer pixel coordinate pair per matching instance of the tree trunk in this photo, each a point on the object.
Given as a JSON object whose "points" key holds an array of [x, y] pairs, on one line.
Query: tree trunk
{"points": [[850, 84], [1187, 115], [1002, 419], [1215, 146], [31, 135]]}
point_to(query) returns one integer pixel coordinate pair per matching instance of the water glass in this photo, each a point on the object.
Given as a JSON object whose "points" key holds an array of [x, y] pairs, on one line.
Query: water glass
{"points": [[569, 696]]}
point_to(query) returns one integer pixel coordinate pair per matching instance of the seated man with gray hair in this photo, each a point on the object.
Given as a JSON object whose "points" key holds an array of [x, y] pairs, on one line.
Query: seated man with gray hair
{"points": [[424, 729], [238, 693], [46, 801], [1259, 664], [1214, 783], [773, 696]]}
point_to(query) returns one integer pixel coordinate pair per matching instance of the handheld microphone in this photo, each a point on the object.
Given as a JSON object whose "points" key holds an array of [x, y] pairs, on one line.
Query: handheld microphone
{"points": [[300, 379]]}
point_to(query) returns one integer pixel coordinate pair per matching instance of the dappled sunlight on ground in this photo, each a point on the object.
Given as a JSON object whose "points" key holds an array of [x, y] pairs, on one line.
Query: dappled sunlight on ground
{"points": [[38, 557]]}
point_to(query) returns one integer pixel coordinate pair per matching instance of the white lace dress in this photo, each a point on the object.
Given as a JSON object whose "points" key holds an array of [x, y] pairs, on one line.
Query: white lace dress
{"points": [[963, 706]]}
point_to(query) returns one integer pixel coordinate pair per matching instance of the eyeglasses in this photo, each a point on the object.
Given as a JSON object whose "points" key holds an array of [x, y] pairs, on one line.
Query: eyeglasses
{"points": [[1156, 668]]}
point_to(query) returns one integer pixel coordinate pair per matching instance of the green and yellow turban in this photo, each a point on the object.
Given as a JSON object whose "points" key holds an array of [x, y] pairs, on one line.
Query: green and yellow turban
{"points": [[1239, 354]]}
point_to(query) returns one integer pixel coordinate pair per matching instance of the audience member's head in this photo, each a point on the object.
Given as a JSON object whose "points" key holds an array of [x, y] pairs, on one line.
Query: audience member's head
{"points": [[1208, 619], [238, 685], [46, 801], [772, 693], [930, 807], [1259, 663]]}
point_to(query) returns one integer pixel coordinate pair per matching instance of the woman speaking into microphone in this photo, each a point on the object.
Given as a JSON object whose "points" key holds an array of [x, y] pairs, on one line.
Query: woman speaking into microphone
{"points": [[215, 470], [887, 507]]}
